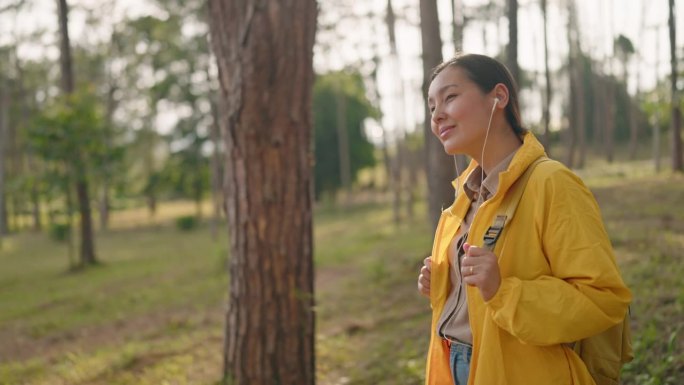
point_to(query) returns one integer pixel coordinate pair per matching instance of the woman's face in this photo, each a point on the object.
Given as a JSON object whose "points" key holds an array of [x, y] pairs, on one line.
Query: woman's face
{"points": [[460, 112]]}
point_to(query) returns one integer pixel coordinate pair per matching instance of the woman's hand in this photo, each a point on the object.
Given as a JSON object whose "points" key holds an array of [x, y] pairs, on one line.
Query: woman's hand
{"points": [[424, 277], [481, 269]]}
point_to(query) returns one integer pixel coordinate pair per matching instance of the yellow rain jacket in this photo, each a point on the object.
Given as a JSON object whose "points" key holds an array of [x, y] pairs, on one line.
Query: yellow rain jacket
{"points": [[560, 282]]}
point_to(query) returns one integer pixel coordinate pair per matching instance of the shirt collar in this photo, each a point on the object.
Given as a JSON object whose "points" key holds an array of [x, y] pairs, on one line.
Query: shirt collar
{"points": [[490, 184]]}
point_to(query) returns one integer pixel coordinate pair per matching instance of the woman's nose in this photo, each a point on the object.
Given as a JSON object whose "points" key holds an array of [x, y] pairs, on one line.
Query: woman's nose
{"points": [[437, 114]]}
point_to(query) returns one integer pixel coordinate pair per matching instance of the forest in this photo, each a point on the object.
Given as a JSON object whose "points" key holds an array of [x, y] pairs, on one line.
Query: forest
{"points": [[243, 191]]}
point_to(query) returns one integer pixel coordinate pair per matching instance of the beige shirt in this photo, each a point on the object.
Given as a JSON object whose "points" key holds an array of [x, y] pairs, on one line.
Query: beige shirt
{"points": [[453, 323]]}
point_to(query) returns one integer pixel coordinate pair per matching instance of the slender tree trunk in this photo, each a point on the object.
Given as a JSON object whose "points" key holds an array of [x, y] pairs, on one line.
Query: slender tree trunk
{"points": [[31, 163], [264, 52], [4, 122], [656, 120], [104, 189], [35, 208], [547, 76], [576, 70], [412, 158], [439, 167], [457, 25], [512, 47], [581, 116], [385, 142], [69, 219], [112, 104], [610, 93], [600, 105], [610, 120], [343, 144], [635, 107], [399, 161], [67, 78], [149, 164], [677, 157], [87, 251], [572, 103]]}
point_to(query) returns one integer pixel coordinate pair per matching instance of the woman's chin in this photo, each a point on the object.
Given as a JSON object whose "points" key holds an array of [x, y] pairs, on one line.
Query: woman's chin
{"points": [[452, 149]]}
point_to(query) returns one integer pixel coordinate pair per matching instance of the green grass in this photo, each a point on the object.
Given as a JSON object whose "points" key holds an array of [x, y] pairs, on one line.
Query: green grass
{"points": [[152, 312]]}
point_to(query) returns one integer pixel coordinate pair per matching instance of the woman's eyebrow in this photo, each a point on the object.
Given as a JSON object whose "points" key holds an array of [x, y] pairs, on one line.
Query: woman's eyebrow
{"points": [[447, 86], [443, 88]]}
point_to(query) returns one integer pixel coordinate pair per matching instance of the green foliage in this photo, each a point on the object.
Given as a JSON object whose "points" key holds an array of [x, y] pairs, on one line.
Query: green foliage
{"points": [[70, 129], [325, 109], [624, 46], [186, 172], [60, 231], [186, 223]]}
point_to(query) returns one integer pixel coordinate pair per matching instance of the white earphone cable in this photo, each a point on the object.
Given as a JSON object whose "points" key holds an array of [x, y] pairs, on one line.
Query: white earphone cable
{"points": [[489, 125]]}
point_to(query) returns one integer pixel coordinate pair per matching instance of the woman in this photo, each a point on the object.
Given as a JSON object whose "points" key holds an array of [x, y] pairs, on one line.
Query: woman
{"points": [[508, 316]]}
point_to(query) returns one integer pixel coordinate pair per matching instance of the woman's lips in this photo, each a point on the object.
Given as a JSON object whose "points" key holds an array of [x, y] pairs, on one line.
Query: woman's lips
{"points": [[444, 131]]}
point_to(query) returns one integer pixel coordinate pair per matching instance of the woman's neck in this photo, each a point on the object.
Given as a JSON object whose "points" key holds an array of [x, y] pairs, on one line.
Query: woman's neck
{"points": [[500, 144]]}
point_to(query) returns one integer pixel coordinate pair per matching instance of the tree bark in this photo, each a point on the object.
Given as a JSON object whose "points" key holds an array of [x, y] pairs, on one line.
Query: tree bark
{"points": [[440, 171], [87, 251], [512, 47], [264, 51], [677, 161]]}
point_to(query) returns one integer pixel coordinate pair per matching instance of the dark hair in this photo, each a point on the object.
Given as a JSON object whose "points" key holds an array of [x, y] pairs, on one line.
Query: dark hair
{"points": [[487, 73]]}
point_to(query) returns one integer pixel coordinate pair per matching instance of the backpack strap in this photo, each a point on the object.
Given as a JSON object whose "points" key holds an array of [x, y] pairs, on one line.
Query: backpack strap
{"points": [[508, 206]]}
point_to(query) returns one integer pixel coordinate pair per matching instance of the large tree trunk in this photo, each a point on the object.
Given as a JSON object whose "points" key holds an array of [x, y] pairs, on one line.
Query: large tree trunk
{"points": [[87, 252], [512, 47], [677, 161], [439, 167], [265, 59]]}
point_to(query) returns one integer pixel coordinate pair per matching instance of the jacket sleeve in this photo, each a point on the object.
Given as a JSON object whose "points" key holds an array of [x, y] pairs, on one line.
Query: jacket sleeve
{"points": [[584, 294]]}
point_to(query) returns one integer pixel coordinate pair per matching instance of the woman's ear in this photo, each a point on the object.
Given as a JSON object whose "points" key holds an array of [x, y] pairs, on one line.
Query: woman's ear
{"points": [[500, 94]]}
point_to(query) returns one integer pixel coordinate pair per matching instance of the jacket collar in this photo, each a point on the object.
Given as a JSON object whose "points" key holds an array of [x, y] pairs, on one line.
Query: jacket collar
{"points": [[530, 150]]}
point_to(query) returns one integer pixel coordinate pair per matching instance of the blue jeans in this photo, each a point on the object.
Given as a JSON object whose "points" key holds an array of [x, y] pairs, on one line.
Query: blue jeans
{"points": [[459, 361]]}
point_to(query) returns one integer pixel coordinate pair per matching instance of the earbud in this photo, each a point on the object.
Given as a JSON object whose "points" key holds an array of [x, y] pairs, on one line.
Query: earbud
{"points": [[496, 100]]}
